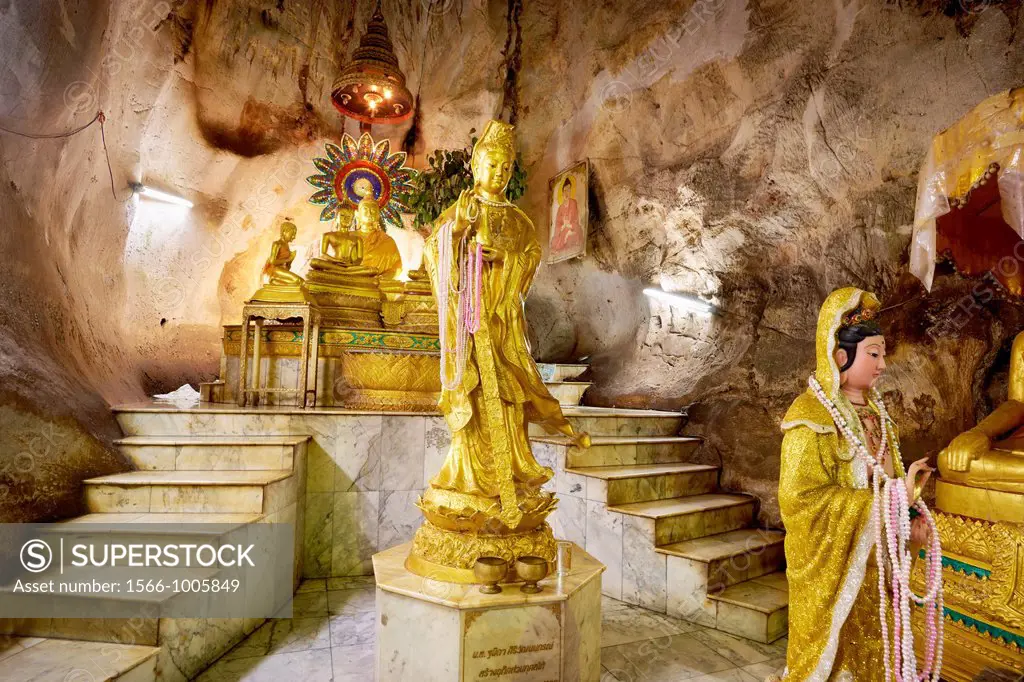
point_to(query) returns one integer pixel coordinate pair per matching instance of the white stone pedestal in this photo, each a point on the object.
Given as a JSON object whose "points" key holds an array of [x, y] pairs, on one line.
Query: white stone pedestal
{"points": [[430, 631]]}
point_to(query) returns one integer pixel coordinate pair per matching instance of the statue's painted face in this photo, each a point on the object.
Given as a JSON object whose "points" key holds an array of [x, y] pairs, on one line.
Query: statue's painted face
{"points": [[368, 216], [492, 169], [868, 364], [288, 232]]}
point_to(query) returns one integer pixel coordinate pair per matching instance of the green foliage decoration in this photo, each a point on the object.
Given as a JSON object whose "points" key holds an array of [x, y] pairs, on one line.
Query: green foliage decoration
{"points": [[439, 186]]}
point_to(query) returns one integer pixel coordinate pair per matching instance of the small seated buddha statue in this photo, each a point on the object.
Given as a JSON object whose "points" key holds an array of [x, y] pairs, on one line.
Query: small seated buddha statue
{"points": [[991, 455], [279, 283], [343, 245]]}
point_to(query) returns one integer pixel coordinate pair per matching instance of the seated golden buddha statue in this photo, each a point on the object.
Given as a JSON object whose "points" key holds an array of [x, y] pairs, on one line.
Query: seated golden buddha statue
{"points": [[279, 283], [991, 455], [365, 253], [342, 246]]}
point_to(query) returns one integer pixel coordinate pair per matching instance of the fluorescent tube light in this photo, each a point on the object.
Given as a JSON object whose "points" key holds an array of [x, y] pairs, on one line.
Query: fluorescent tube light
{"points": [[143, 190], [687, 302]]}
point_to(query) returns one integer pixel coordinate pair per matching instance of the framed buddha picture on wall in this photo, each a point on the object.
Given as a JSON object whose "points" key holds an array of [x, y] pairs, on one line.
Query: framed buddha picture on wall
{"points": [[567, 194]]}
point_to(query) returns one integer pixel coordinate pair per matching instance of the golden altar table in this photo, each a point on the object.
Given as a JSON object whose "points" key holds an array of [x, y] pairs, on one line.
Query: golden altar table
{"points": [[366, 369]]}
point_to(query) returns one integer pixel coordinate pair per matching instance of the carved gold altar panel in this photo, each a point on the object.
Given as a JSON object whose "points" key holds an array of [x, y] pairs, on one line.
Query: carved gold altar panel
{"points": [[983, 577]]}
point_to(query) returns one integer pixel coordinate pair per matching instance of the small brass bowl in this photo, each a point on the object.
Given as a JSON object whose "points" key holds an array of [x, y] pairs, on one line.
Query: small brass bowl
{"points": [[532, 569], [490, 570]]}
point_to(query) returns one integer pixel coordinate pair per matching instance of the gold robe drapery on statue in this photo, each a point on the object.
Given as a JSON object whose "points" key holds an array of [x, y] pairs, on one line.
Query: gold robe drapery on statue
{"points": [[487, 499], [490, 461], [381, 254], [826, 502]]}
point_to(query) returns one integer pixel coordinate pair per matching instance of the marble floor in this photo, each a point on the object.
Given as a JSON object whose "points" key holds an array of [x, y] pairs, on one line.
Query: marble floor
{"points": [[330, 638]]}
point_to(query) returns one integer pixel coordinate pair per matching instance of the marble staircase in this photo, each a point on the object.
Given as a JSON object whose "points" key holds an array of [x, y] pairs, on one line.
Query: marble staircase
{"points": [[562, 381], [673, 542], [231, 480]]}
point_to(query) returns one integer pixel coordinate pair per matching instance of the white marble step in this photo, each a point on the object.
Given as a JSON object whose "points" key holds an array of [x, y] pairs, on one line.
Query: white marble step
{"points": [[221, 452], [240, 492], [147, 525], [757, 609], [94, 625], [621, 450], [30, 659], [725, 545], [162, 518], [155, 419], [613, 421], [626, 483], [696, 568], [568, 392], [207, 478], [686, 518], [555, 371]]}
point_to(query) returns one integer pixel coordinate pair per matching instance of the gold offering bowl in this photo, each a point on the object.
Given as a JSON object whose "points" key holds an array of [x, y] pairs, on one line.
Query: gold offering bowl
{"points": [[532, 569], [490, 570]]}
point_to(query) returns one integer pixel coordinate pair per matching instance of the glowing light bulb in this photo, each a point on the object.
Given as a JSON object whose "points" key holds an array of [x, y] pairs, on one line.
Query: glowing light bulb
{"points": [[387, 93]]}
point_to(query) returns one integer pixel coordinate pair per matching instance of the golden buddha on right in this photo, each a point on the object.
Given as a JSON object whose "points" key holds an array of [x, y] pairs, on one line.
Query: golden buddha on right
{"points": [[991, 455]]}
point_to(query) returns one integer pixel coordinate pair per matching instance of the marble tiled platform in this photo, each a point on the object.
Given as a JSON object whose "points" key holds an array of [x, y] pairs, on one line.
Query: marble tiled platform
{"points": [[332, 637], [34, 659], [633, 500]]}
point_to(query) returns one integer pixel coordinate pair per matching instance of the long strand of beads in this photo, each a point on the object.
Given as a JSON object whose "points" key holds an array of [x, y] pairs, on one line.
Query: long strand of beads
{"points": [[450, 257], [475, 294], [891, 512], [897, 624], [444, 270], [878, 518]]}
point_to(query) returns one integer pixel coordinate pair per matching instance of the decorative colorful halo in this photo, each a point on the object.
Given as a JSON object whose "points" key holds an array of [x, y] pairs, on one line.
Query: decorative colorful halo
{"points": [[345, 166]]}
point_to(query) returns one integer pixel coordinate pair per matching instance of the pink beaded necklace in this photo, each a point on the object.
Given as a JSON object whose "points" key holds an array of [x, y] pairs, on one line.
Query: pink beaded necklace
{"points": [[891, 516], [468, 289]]}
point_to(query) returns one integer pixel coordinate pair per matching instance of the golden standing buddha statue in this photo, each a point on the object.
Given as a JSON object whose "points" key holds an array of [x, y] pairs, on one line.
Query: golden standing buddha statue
{"points": [[487, 499], [279, 283], [991, 455]]}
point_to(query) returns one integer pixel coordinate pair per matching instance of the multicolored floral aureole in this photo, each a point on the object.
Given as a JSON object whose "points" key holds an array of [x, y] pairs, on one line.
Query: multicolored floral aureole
{"points": [[347, 169]]}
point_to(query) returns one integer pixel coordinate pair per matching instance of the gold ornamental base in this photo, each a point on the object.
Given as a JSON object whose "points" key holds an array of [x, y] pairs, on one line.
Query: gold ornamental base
{"points": [[347, 304], [979, 503], [982, 584], [449, 556], [281, 293]]}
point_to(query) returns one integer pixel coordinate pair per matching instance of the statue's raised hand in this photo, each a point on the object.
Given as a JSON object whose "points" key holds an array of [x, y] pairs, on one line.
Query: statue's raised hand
{"points": [[964, 449], [467, 210], [916, 486]]}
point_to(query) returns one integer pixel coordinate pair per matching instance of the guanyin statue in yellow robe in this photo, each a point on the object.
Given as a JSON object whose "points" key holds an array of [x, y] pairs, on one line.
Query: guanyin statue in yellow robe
{"points": [[826, 501]]}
